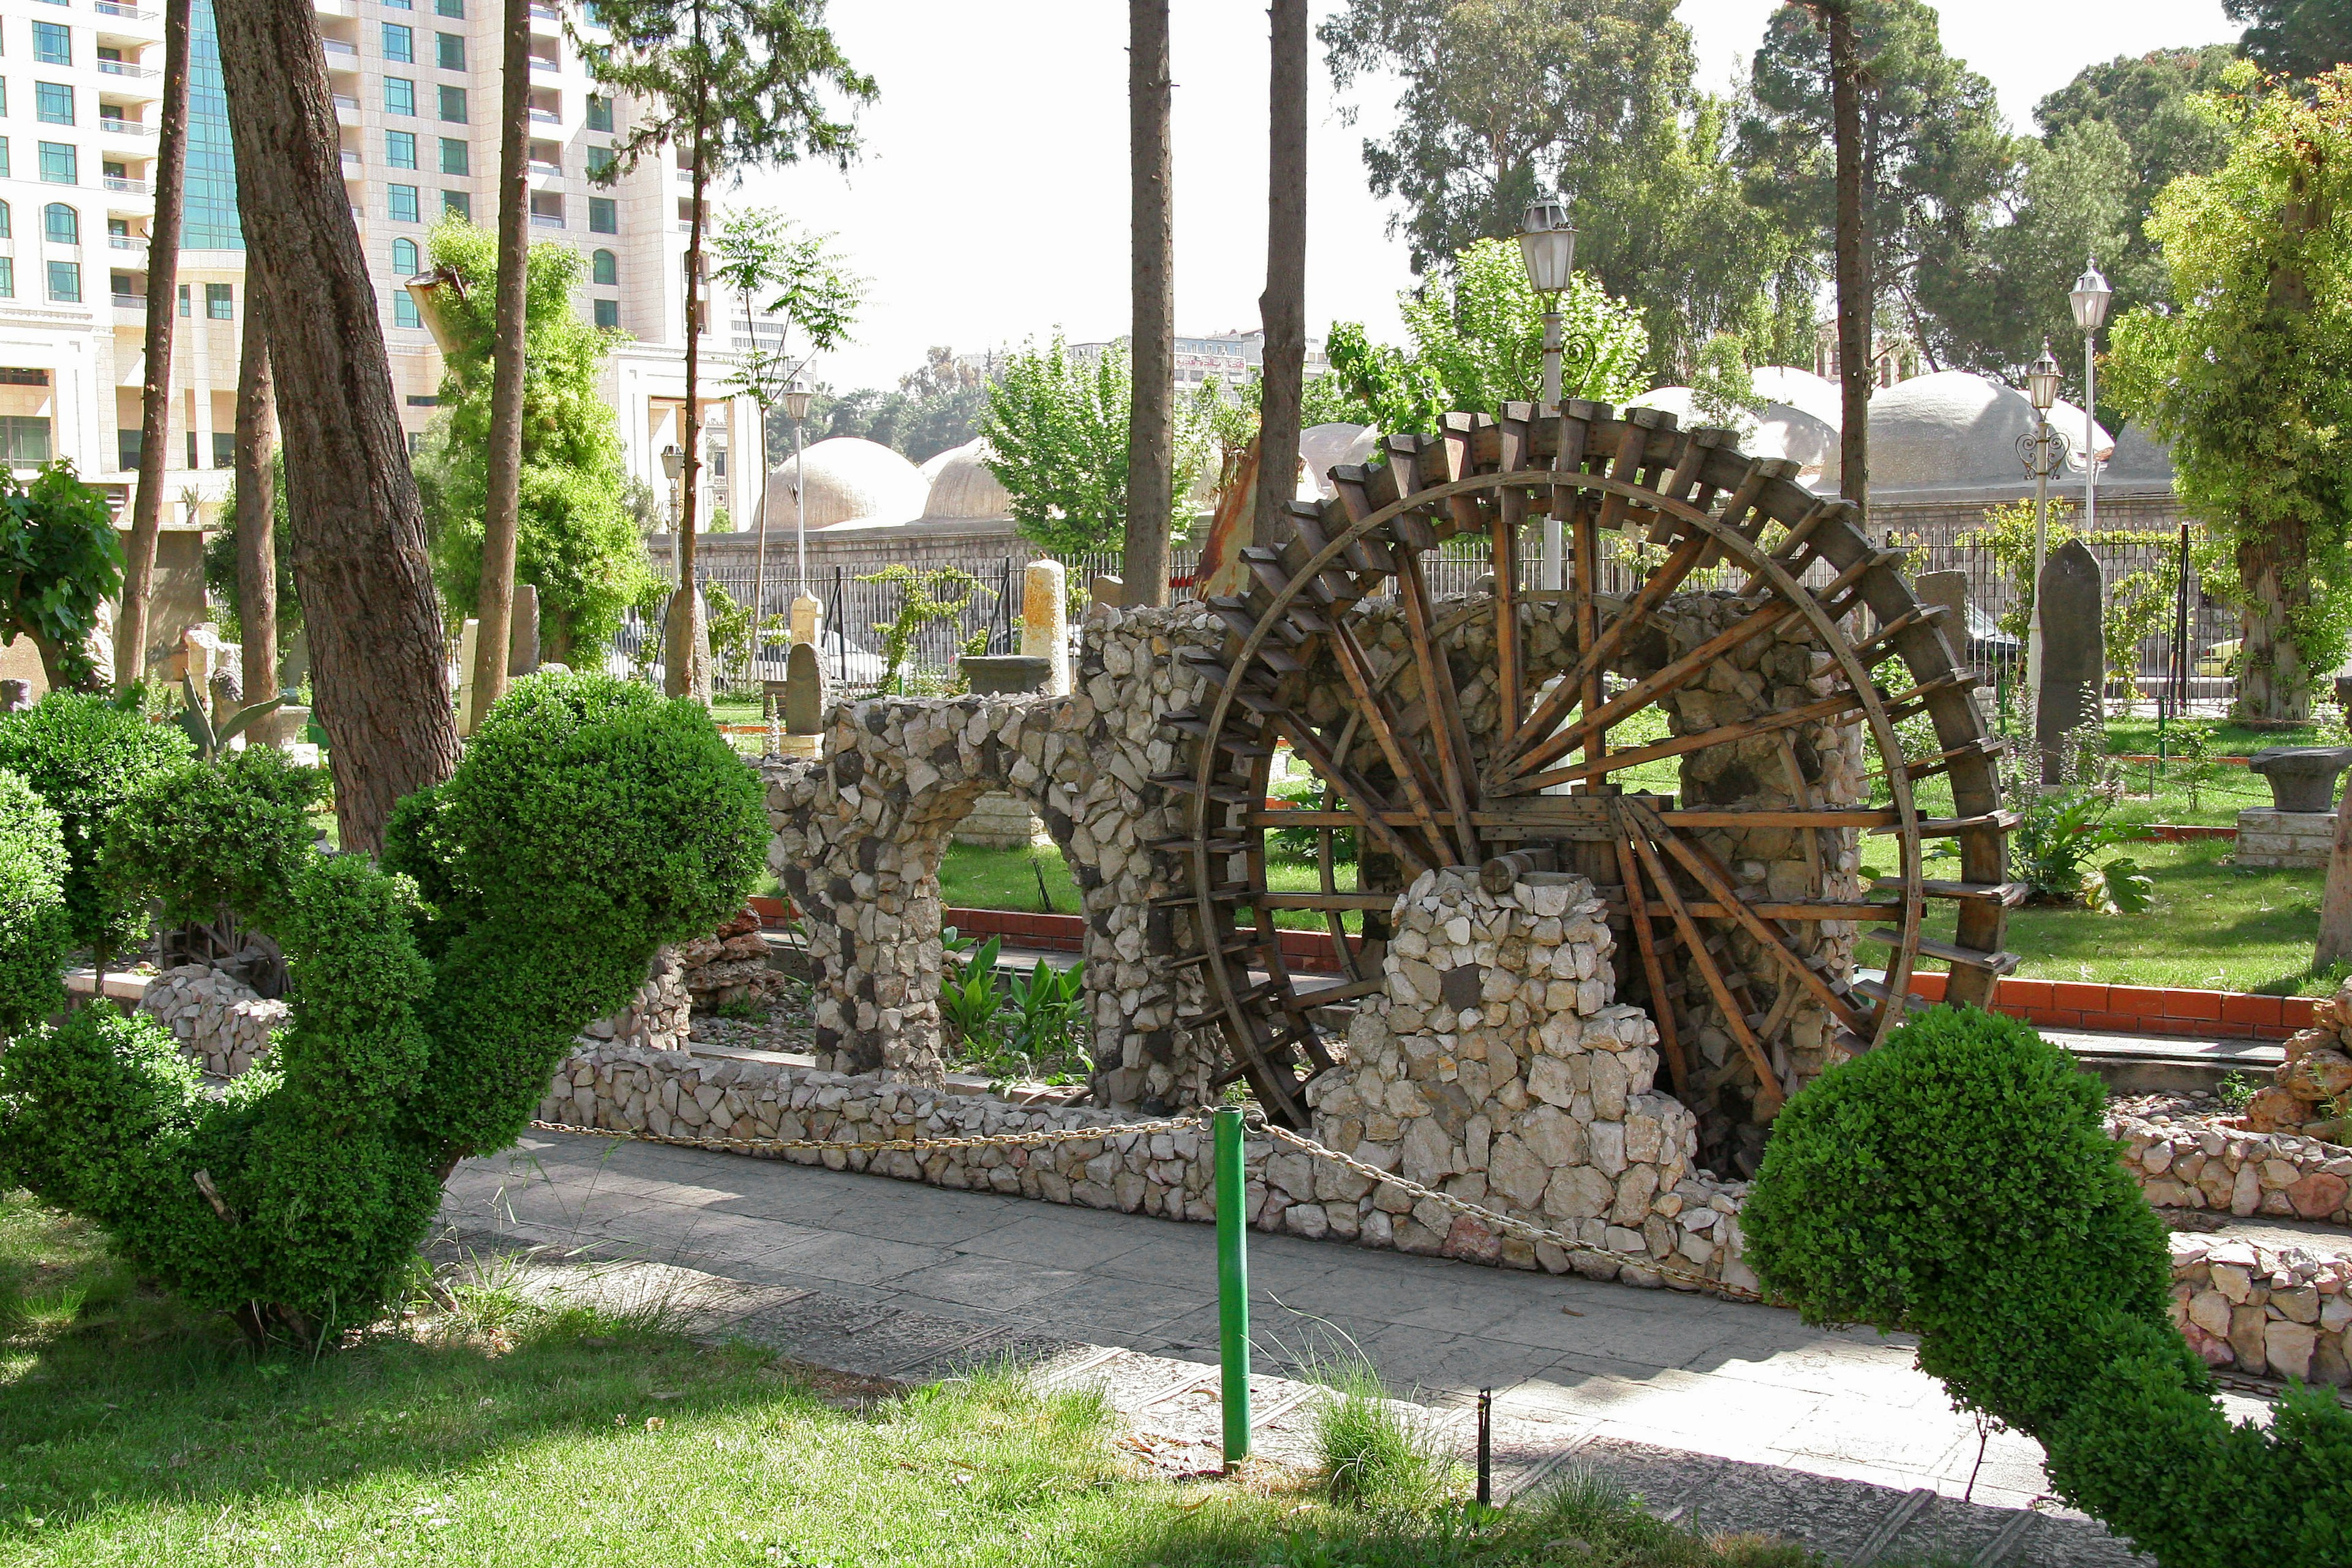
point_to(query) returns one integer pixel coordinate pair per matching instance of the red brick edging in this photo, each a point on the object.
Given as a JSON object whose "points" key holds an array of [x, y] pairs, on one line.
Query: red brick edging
{"points": [[2139, 1009]]}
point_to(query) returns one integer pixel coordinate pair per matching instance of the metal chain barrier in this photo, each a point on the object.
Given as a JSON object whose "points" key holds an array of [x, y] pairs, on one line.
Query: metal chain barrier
{"points": [[884, 1145], [1499, 1222], [1257, 1122]]}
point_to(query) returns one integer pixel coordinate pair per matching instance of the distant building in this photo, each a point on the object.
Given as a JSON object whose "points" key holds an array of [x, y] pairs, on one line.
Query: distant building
{"points": [[1231, 358], [1895, 358]]}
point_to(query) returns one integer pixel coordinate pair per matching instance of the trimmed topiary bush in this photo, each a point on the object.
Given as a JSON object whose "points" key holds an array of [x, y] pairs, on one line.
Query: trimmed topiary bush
{"points": [[85, 756], [209, 835], [589, 823], [33, 937], [1957, 1183]]}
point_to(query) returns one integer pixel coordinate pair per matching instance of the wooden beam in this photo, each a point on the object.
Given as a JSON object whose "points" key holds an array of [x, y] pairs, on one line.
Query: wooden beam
{"points": [[1769, 1095]]}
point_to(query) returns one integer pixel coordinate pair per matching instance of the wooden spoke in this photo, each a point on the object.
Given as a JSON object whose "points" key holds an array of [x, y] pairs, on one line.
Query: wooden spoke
{"points": [[1711, 875], [1373, 817], [1662, 1006], [1372, 709], [1446, 732], [1682, 745], [1769, 1095]]}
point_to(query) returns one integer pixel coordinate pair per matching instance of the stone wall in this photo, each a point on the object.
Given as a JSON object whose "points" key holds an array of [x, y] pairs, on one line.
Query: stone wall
{"points": [[2242, 1173], [222, 1021], [2294, 840], [2260, 1309], [658, 1018], [1167, 1174], [860, 837]]}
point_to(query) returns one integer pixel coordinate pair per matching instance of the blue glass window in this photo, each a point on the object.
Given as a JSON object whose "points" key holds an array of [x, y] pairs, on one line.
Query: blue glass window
{"points": [[52, 44], [400, 203], [400, 149], [65, 282], [451, 47], [53, 104], [60, 225], [399, 42], [605, 269], [454, 160], [60, 166], [399, 95]]}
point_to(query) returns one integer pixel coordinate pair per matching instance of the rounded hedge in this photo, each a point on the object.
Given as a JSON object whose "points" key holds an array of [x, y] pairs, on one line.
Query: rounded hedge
{"points": [[85, 757], [32, 934], [1959, 1184], [208, 836]]}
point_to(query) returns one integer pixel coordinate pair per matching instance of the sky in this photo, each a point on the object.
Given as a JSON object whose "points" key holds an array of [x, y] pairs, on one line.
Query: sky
{"points": [[990, 205]]}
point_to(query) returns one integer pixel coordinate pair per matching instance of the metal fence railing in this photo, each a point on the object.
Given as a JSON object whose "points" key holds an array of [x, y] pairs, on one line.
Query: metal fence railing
{"points": [[856, 611]]}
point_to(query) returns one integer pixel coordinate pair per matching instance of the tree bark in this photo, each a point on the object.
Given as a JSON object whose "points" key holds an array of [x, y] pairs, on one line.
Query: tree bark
{"points": [[1282, 309], [257, 511], [494, 603], [2274, 582], [359, 558], [1152, 407], [155, 393], [686, 654], [2336, 903], [1855, 285]]}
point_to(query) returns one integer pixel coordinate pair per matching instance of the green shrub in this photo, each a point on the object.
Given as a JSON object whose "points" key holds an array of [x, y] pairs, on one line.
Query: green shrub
{"points": [[1957, 1183], [431, 998], [85, 756], [211, 835], [33, 937]]}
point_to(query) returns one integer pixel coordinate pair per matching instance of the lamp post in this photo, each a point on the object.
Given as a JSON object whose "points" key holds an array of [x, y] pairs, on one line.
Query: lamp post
{"points": [[2041, 461], [2090, 299], [796, 409], [1548, 250]]}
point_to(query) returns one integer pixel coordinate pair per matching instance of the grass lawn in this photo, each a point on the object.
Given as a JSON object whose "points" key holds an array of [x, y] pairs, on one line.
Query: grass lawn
{"points": [[133, 1433]]}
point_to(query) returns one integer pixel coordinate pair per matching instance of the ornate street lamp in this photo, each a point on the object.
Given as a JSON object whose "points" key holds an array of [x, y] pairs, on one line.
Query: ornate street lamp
{"points": [[2043, 450], [1548, 250], [2090, 299], [796, 409], [673, 459]]}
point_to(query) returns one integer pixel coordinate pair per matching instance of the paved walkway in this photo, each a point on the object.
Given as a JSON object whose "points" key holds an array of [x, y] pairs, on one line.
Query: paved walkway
{"points": [[1739, 1406]]}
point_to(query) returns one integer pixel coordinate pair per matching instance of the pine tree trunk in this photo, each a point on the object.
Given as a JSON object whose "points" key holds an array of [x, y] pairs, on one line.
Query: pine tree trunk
{"points": [[257, 512], [359, 557], [1283, 307], [494, 605], [130, 651], [685, 651], [1151, 408], [1855, 285]]}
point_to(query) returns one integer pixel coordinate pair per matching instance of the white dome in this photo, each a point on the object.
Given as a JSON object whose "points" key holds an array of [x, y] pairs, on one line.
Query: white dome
{"points": [[1323, 447], [1801, 389], [847, 477], [930, 467], [2068, 420], [1783, 430], [2139, 458], [962, 486], [1673, 400], [1953, 429]]}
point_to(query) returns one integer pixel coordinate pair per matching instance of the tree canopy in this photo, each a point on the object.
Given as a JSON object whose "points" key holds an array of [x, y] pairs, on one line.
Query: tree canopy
{"points": [[2293, 37], [60, 563], [2249, 376], [575, 541], [1056, 426]]}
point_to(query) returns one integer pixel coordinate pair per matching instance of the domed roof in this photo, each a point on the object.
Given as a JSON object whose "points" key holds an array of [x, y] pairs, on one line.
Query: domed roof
{"points": [[1783, 430], [962, 485], [1953, 429], [847, 477], [1323, 447], [2140, 459], [1801, 389]]}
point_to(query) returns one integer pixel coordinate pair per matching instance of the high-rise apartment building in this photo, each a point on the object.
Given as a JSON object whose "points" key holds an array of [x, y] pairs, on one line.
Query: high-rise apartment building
{"points": [[417, 92]]}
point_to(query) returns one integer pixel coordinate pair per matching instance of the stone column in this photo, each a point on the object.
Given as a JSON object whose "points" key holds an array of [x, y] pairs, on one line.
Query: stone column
{"points": [[2074, 664], [808, 619], [522, 638], [463, 693], [1045, 622]]}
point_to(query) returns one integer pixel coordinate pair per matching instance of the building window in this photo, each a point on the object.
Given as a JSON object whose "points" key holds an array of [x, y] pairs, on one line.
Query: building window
{"points": [[399, 95], [220, 301], [21, 375], [184, 297], [65, 282], [403, 308], [52, 44], [608, 314], [457, 204], [3, 157], [53, 104], [415, 442], [603, 215], [25, 438], [58, 164], [547, 208], [400, 43], [126, 449], [123, 287], [605, 269], [453, 155], [7, 227], [404, 259], [600, 159], [223, 448], [452, 50], [400, 149], [398, 6], [7, 277], [600, 113], [60, 225], [453, 105], [192, 448], [400, 203]]}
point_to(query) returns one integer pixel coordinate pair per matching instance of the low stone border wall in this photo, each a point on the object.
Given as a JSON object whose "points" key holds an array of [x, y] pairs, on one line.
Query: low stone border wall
{"points": [[221, 1020], [672, 1094], [2240, 1174], [2282, 1312]]}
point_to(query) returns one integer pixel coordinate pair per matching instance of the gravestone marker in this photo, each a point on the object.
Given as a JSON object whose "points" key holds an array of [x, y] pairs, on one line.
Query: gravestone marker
{"points": [[1951, 590], [522, 633], [808, 620], [805, 693], [1005, 673], [1110, 591], [2075, 653]]}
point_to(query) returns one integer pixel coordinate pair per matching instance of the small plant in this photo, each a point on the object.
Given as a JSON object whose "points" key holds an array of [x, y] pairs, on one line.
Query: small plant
{"points": [[969, 999], [2237, 1091], [1373, 1451], [1048, 1016], [212, 731], [923, 599], [2193, 744], [2051, 847]]}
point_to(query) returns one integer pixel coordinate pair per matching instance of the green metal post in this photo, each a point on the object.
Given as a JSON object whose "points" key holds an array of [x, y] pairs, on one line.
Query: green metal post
{"points": [[1232, 1286]]}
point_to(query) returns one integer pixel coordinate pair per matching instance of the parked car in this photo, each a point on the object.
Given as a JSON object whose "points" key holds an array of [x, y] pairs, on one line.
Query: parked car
{"points": [[2220, 659]]}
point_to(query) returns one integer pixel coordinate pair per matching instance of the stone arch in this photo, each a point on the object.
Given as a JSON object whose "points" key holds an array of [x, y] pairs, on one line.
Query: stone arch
{"points": [[860, 835]]}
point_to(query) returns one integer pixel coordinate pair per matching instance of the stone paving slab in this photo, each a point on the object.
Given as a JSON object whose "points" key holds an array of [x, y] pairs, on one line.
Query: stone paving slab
{"points": [[1740, 1413]]}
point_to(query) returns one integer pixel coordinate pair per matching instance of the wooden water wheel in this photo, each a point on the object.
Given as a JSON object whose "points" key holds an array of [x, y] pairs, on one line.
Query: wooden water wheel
{"points": [[1657, 511]]}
